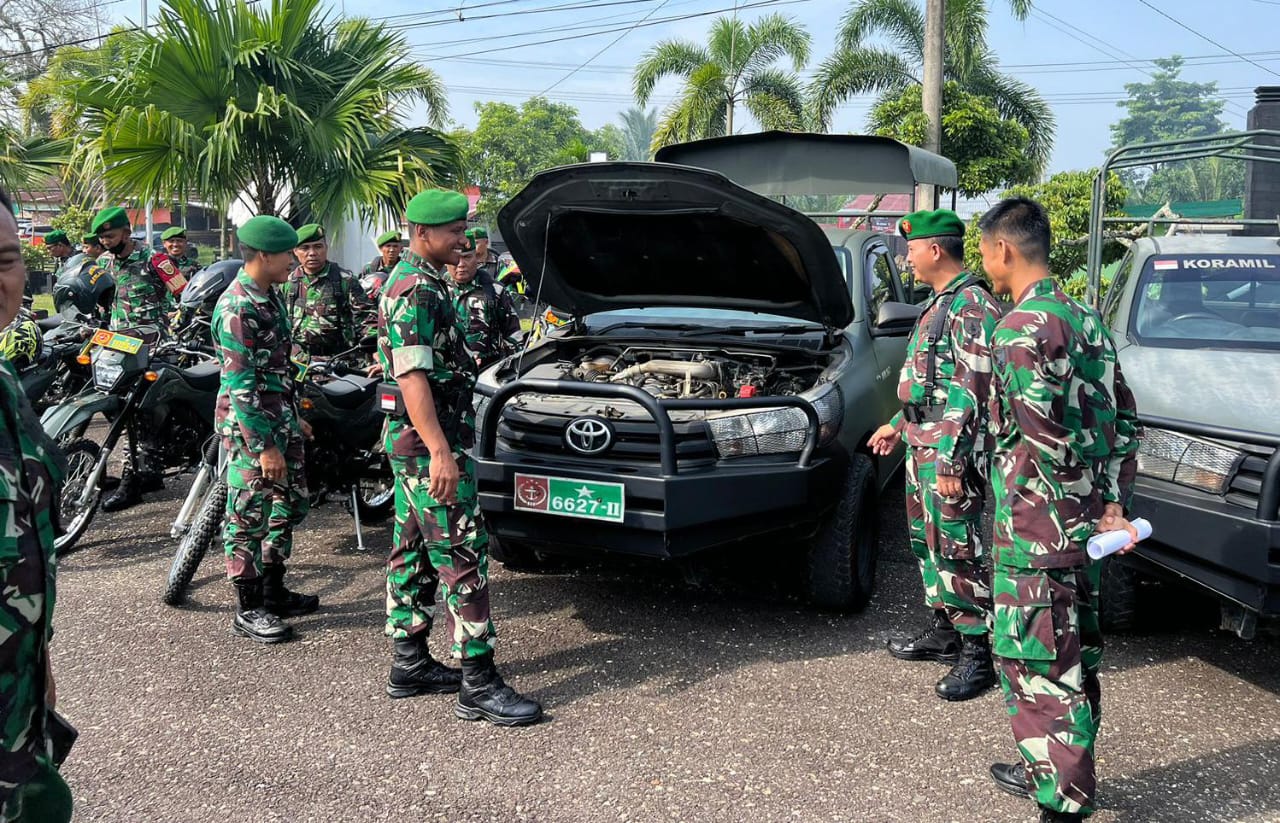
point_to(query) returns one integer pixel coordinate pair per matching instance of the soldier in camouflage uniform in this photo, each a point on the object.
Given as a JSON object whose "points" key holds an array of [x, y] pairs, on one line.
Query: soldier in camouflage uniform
{"points": [[92, 246], [374, 274], [329, 311], [142, 300], [30, 471], [493, 329], [1065, 461], [262, 432], [944, 388], [177, 253], [487, 262], [58, 244], [440, 540]]}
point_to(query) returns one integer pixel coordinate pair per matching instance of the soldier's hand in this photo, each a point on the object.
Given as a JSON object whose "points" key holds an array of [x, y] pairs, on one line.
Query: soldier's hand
{"points": [[374, 371], [885, 440], [443, 482], [950, 486], [273, 466], [1113, 520], [307, 431]]}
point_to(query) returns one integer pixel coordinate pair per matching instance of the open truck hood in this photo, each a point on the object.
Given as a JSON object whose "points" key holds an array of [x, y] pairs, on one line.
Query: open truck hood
{"points": [[604, 236]]}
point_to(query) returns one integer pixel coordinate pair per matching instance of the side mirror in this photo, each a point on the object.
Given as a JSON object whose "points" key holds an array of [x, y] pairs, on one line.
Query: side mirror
{"points": [[40, 314], [896, 318]]}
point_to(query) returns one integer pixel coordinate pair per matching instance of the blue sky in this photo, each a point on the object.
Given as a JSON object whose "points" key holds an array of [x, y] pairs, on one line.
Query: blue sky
{"points": [[1079, 54]]}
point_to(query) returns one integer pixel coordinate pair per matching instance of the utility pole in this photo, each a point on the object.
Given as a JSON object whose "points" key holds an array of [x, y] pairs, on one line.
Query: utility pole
{"points": [[931, 97], [149, 220]]}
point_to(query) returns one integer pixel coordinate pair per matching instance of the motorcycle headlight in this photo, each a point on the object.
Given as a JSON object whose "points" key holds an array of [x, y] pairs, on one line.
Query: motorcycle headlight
{"points": [[1188, 461], [107, 368], [777, 431]]}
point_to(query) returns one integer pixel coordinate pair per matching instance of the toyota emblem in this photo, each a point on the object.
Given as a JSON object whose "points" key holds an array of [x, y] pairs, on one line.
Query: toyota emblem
{"points": [[588, 435]]}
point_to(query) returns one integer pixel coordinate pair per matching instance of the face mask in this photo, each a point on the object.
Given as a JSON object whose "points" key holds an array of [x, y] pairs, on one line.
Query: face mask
{"points": [[119, 249]]}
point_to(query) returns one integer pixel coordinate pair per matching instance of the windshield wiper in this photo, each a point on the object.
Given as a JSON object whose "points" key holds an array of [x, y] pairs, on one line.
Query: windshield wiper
{"points": [[633, 324], [794, 329]]}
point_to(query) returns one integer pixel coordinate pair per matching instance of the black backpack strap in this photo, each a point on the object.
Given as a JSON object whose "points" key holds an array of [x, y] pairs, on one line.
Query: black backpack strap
{"points": [[340, 294], [936, 326]]}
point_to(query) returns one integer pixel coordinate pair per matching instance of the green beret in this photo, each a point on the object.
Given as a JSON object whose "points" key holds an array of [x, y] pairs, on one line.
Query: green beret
{"points": [[468, 244], [269, 234], [387, 237], [90, 238], [478, 233], [107, 219], [56, 236], [925, 223], [172, 232], [310, 233], [436, 207]]}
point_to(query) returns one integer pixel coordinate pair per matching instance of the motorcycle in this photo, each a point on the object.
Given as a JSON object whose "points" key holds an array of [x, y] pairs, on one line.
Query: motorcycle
{"points": [[344, 460], [58, 374], [170, 386]]}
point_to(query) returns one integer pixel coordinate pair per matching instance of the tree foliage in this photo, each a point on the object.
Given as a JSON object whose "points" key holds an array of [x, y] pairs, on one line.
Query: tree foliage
{"points": [[638, 127], [736, 66], [74, 220], [510, 144], [1169, 108], [303, 114], [880, 50], [990, 151], [1066, 195], [29, 161]]}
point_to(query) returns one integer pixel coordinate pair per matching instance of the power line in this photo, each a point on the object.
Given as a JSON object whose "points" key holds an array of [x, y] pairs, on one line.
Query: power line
{"points": [[1204, 37], [574, 6], [611, 44]]}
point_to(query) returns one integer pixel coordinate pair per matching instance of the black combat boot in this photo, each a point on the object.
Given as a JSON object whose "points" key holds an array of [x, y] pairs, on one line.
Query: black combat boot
{"points": [[252, 620], [484, 696], [1051, 816], [1011, 778], [128, 494], [972, 674], [278, 600], [414, 671], [940, 642]]}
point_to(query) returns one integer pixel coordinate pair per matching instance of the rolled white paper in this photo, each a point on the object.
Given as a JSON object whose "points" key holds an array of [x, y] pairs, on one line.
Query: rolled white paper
{"points": [[1101, 545]]}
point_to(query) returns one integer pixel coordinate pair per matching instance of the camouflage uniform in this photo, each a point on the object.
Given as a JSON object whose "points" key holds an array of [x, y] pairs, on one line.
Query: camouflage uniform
{"points": [[946, 534], [255, 410], [1066, 443], [30, 470], [142, 299], [435, 545], [319, 324], [493, 328]]}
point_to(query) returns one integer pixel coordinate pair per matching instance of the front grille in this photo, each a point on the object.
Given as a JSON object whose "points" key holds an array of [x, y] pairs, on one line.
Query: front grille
{"points": [[634, 440], [1246, 485]]}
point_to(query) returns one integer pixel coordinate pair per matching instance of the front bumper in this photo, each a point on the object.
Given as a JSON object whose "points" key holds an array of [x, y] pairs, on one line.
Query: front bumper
{"points": [[670, 509]]}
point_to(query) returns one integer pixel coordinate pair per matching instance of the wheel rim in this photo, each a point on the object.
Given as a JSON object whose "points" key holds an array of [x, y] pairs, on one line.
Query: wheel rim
{"points": [[80, 465], [376, 491]]}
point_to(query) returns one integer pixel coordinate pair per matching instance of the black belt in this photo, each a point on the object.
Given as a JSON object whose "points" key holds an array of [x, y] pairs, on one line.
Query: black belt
{"points": [[923, 414]]}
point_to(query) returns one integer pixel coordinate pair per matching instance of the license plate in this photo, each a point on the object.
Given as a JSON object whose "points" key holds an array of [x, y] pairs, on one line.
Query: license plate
{"points": [[114, 340], [567, 497]]}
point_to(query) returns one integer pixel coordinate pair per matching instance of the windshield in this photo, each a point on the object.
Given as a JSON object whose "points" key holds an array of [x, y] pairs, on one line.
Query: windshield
{"points": [[1209, 300]]}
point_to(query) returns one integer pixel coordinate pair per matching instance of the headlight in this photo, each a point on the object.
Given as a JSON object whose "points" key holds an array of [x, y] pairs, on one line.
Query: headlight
{"points": [[1189, 461], [776, 431], [105, 375]]}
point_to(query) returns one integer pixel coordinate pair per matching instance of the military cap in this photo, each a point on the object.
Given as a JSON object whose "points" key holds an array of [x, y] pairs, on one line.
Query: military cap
{"points": [[56, 236], [926, 223], [310, 233], [172, 232], [436, 207], [89, 238], [268, 234], [479, 233], [110, 218], [387, 237], [468, 244]]}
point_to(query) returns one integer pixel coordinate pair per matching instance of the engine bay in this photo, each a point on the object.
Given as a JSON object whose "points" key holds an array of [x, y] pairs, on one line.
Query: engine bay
{"points": [[676, 372]]}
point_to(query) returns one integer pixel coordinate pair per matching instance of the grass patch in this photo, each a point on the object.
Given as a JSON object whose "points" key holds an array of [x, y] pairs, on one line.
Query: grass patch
{"points": [[43, 301]]}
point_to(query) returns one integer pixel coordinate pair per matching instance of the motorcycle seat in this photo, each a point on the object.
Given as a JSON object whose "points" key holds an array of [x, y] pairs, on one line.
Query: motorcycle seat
{"points": [[203, 376], [349, 392]]}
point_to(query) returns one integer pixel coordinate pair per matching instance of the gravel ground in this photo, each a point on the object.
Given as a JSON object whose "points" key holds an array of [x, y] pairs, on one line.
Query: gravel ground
{"points": [[684, 694]]}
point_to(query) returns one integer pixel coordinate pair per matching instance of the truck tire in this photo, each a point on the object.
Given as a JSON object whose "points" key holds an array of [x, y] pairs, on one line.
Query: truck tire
{"points": [[842, 555], [518, 557], [195, 543], [1118, 609]]}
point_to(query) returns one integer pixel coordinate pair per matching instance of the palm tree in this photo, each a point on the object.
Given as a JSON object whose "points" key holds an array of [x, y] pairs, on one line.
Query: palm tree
{"points": [[638, 127], [29, 161], [862, 67], [301, 115], [735, 66]]}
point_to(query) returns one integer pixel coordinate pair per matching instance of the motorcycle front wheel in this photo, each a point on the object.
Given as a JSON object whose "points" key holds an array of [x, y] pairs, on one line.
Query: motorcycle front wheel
{"points": [[194, 544], [73, 518]]}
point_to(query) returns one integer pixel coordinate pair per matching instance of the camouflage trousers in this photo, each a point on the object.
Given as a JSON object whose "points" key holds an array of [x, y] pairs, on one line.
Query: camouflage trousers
{"points": [[1048, 646], [261, 515], [946, 539], [439, 547]]}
